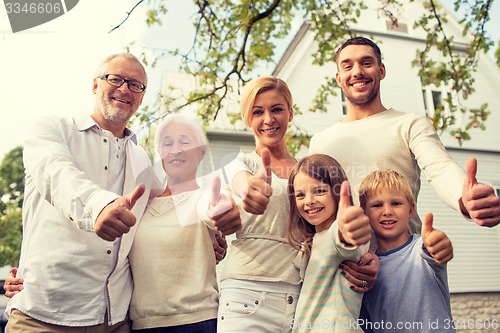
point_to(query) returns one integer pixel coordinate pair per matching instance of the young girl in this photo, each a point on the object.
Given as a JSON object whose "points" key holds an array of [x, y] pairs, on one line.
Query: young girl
{"points": [[262, 274], [321, 214]]}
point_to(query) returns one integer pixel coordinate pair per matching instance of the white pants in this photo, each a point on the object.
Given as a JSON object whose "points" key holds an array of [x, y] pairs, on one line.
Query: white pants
{"points": [[256, 307]]}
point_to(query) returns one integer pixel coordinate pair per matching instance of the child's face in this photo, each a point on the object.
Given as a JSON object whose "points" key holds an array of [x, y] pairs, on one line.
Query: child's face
{"points": [[389, 212], [315, 201]]}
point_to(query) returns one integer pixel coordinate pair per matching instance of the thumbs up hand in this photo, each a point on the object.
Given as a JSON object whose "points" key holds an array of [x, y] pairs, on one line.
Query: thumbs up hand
{"points": [[223, 211], [13, 284], [259, 189], [436, 242], [219, 203], [479, 200], [266, 172], [354, 225], [117, 218]]}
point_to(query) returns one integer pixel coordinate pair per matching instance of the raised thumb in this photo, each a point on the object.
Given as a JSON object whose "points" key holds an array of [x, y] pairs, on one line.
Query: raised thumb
{"points": [[215, 197], [266, 173], [427, 226], [470, 172], [133, 196], [344, 197]]}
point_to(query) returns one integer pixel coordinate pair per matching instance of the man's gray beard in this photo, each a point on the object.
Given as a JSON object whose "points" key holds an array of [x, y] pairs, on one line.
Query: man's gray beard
{"points": [[114, 115]]}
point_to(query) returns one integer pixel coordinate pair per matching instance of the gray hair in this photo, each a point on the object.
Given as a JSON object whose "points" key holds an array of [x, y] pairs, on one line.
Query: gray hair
{"points": [[126, 55], [175, 118]]}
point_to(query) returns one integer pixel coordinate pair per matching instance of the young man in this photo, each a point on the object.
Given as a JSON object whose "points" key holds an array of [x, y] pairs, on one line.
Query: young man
{"points": [[378, 137], [411, 292]]}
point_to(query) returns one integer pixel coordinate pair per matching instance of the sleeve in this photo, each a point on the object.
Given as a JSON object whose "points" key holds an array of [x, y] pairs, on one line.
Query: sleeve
{"points": [[444, 174], [240, 163], [313, 144], [348, 252], [438, 268], [56, 177]]}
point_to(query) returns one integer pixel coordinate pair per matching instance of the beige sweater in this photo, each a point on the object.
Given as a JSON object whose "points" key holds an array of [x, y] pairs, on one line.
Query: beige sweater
{"points": [[405, 142], [173, 267]]}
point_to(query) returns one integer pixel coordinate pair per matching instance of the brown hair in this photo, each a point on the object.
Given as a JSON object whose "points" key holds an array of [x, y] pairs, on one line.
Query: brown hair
{"points": [[360, 41], [325, 169]]}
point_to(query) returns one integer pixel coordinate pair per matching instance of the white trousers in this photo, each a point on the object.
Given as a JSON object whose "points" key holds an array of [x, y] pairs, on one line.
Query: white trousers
{"points": [[256, 307]]}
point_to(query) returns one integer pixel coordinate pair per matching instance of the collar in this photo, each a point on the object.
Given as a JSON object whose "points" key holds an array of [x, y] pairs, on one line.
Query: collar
{"points": [[85, 122]]}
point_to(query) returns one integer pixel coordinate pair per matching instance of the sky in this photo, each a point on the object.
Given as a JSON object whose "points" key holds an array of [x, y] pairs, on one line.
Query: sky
{"points": [[49, 69]]}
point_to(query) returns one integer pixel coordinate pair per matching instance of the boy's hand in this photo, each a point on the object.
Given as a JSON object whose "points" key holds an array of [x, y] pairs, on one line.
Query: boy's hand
{"points": [[223, 211], [259, 190], [479, 200], [354, 225], [437, 243]]}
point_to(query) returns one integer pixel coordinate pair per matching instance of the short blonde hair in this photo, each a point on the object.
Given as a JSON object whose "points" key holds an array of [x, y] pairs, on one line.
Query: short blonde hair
{"points": [[384, 178], [259, 85]]}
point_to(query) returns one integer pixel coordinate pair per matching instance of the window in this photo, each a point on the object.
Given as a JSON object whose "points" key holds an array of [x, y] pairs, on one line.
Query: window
{"points": [[433, 100], [395, 17], [344, 104]]}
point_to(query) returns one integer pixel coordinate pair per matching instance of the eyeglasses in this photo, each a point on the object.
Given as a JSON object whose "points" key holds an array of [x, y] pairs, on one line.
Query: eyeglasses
{"points": [[117, 81]]}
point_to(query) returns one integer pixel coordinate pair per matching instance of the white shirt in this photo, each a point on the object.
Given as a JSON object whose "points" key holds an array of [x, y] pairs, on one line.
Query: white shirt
{"points": [[71, 276]]}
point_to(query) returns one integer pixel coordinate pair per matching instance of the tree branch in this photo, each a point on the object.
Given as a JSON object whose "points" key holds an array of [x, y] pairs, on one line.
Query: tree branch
{"points": [[126, 18]]}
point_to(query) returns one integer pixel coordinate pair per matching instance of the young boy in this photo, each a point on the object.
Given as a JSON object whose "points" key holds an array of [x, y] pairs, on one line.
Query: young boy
{"points": [[411, 292]]}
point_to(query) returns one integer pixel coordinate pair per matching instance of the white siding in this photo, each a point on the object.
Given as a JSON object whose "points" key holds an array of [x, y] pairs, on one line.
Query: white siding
{"points": [[476, 263]]}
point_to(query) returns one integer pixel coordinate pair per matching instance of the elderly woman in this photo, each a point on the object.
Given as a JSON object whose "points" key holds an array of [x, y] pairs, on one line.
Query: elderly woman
{"points": [[172, 259]]}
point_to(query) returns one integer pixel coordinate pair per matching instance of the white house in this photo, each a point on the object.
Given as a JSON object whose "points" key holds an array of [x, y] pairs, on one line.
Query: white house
{"points": [[474, 272], [476, 265]]}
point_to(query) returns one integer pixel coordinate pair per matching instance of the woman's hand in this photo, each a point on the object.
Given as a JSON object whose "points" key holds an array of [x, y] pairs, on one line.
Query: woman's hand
{"points": [[362, 274], [220, 248]]}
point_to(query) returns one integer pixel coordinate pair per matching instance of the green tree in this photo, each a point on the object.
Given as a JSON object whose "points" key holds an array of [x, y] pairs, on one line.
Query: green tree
{"points": [[497, 54], [233, 38], [12, 179], [10, 236], [12, 194]]}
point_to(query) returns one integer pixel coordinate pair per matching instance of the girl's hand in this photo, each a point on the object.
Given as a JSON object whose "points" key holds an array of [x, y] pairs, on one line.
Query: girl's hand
{"points": [[354, 225]]}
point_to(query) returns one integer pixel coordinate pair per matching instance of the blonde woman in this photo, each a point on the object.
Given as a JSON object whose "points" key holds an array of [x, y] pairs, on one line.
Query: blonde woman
{"points": [[263, 273]]}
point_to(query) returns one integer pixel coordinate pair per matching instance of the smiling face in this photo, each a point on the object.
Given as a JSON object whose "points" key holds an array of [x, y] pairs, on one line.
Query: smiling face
{"points": [[389, 212], [359, 74], [181, 152], [270, 115], [315, 201], [115, 105]]}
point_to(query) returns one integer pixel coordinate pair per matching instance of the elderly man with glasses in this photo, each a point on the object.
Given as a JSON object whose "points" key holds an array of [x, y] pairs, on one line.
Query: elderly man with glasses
{"points": [[81, 205]]}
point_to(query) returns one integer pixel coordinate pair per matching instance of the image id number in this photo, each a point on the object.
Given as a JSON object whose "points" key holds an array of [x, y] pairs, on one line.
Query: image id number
{"points": [[477, 324], [32, 8]]}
